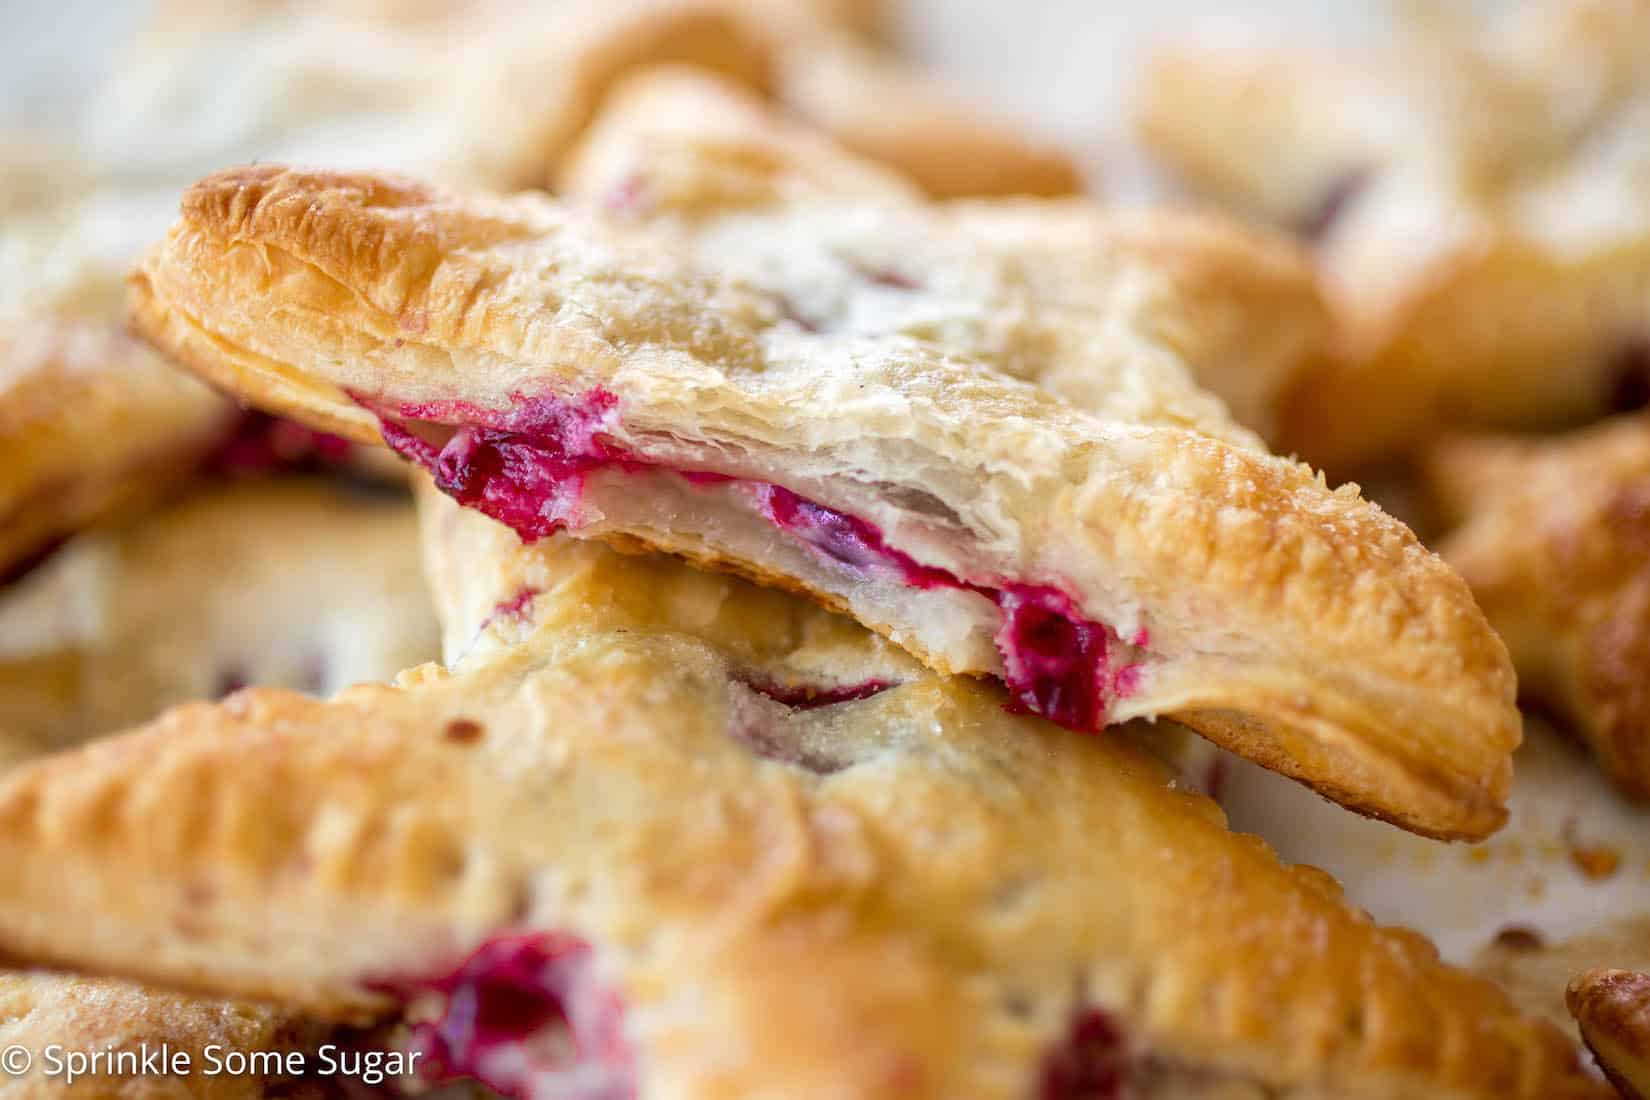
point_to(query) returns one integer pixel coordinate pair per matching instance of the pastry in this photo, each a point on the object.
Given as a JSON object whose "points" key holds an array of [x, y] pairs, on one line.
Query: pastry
{"points": [[682, 151], [289, 582], [603, 864], [1480, 211], [1612, 1008], [1553, 535], [559, 372]]}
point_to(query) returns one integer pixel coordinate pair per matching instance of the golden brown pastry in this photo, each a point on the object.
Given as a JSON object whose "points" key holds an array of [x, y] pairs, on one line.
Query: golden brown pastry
{"points": [[1481, 202], [684, 152], [558, 371], [604, 864], [289, 583], [1553, 535], [1612, 1008]]}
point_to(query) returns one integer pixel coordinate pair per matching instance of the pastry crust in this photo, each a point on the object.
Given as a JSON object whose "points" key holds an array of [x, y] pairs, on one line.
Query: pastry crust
{"points": [[685, 152], [1479, 212], [1300, 626], [287, 583], [1554, 538], [919, 904], [1612, 1008]]}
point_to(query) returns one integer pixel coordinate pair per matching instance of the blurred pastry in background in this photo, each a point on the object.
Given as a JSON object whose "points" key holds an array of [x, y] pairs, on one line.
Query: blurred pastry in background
{"points": [[1612, 1008], [1479, 197], [1553, 535], [700, 159], [290, 582], [350, 86], [93, 426]]}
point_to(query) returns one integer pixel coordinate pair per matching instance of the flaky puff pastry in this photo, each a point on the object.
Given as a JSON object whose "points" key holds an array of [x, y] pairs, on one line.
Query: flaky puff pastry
{"points": [[720, 894], [1553, 535], [1612, 1008], [690, 154], [283, 582], [890, 470], [1481, 200]]}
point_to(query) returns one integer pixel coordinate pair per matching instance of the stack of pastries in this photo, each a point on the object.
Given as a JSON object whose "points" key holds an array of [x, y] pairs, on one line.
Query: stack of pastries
{"points": [[795, 555]]}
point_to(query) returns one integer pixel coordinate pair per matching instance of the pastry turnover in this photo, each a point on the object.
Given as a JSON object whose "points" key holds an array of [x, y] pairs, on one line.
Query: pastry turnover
{"points": [[291, 583], [1482, 211], [556, 371], [686, 153], [1612, 1007], [1553, 535], [605, 863]]}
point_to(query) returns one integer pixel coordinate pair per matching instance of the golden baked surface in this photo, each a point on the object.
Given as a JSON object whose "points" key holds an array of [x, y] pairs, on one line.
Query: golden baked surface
{"points": [[753, 193], [1297, 625]]}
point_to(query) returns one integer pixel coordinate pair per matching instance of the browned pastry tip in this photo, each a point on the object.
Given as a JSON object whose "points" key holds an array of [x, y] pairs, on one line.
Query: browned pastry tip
{"points": [[1612, 1008]]}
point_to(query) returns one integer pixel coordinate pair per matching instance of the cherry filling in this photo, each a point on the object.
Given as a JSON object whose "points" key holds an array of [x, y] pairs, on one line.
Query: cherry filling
{"points": [[526, 468], [1629, 376], [1316, 223], [260, 444], [524, 1017], [808, 697], [1055, 662], [1092, 1063]]}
